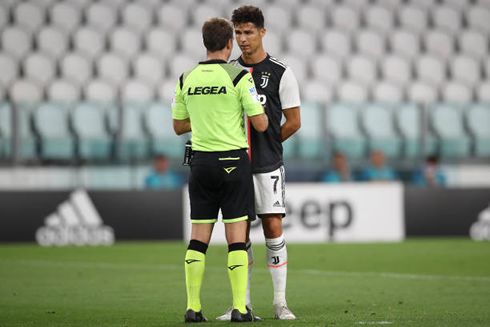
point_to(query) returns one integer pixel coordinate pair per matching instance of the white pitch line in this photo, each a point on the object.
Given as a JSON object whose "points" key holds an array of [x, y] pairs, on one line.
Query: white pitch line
{"points": [[375, 323], [141, 266]]}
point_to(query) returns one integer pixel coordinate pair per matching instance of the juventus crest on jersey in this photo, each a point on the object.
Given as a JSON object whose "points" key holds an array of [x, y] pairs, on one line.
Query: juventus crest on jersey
{"points": [[278, 89]]}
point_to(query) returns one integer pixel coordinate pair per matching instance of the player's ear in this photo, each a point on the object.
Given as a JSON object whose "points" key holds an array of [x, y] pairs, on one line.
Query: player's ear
{"points": [[262, 32]]}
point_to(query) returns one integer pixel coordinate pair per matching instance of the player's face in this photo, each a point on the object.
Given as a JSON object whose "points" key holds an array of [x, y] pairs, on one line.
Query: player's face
{"points": [[249, 38]]}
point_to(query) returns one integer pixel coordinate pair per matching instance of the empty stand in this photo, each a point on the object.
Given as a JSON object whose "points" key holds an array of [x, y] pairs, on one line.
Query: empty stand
{"points": [[29, 15], [336, 42], [125, 42], [362, 70], [379, 18], [478, 118], [342, 124], [430, 70], [63, 90], [396, 69], [39, 68], [9, 69], [101, 16], [16, 41], [345, 18], [76, 67], [387, 92], [327, 69], [370, 43], [421, 92], [148, 67], [465, 70], [173, 17], [352, 92], [136, 91], [439, 44], [137, 16], [100, 90], [52, 41], [377, 121], [89, 42], [301, 43], [454, 92], [111, 67], [65, 16], [161, 42]]}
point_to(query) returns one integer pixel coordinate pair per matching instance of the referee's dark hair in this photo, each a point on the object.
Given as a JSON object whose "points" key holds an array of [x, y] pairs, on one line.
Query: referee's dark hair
{"points": [[216, 32], [248, 14]]}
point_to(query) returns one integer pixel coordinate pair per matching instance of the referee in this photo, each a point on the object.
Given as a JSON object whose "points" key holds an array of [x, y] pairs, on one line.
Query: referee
{"points": [[213, 98]]}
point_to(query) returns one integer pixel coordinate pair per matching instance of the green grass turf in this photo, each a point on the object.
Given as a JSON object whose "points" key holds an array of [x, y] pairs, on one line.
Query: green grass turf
{"points": [[420, 282]]}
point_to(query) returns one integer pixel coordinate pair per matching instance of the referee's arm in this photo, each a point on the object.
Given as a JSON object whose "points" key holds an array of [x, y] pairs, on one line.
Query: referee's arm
{"points": [[260, 122], [182, 126]]}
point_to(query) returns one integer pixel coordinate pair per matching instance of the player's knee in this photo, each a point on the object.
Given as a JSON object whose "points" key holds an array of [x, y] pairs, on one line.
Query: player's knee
{"points": [[272, 226]]}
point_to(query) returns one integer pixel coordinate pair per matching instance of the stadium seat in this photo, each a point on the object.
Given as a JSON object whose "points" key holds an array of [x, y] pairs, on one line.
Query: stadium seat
{"points": [[379, 18], [323, 4], [124, 42], [62, 90], [336, 43], [158, 123], [377, 120], [99, 90], [149, 68], [161, 42], [180, 64], [404, 43], [421, 92], [345, 18], [483, 92], [76, 67], [370, 43], [89, 126], [459, 5], [27, 145], [447, 18], [257, 3], [478, 118], [52, 41], [25, 91], [16, 41], [430, 70], [387, 92], [317, 90], [79, 4], [3, 94], [361, 69], [326, 68], [486, 67], [65, 16], [201, 12], [4, 17], [278, 16], [473, 44], [423, 4], [465, 69], [439, 44], [5, 130], [137, 17], [166, 90], [352, 92], [43, 4], [392, 4], [310, 140], [9, 69], [111, 67], [29, 15], [409, 122], [311, 18], [298, 65], [101, 16], [273, 43], [173, 17], [301, 43], [51, 123], [191, 41], [342, 125], [115, 5], [133, 143], [447, 122], [359, 5], [454, 92], [396, 69], [88, 42], [413, 18], [136, 91], [183, 4], [477, 18], [39, 68]]}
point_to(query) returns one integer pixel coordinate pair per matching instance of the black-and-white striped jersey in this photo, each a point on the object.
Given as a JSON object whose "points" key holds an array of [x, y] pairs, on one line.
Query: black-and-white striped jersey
{"points": [[278, 90]]}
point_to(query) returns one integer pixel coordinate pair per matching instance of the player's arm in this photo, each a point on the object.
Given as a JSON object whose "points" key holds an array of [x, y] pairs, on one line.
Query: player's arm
{"points": [[251, 102], [182, 126], [180, 115], [260, 122], [289, 95], [292, 123]]}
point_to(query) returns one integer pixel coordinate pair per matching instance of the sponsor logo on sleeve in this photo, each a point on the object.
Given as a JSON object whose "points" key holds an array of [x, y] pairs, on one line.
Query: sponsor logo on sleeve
{"points": [[254, 94]]}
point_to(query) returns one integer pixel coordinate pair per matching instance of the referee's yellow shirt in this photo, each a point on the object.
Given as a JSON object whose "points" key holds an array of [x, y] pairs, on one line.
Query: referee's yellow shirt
{"points": [[215, 95]]}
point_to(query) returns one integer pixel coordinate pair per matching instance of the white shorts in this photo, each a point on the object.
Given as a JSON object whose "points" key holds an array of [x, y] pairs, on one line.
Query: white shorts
{"points": [[270, 190]]}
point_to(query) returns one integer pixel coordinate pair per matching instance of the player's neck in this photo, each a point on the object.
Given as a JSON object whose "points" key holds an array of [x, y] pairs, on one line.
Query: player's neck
{"points": [[255, 57], [219, 55]]}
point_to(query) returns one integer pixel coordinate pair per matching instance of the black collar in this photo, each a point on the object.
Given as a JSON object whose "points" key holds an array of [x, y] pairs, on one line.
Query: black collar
{"points": [[212, 61]]}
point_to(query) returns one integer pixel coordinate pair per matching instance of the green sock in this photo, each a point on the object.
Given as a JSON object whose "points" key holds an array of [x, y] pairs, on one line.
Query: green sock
{"points": [[238, 272], [194, 271]]}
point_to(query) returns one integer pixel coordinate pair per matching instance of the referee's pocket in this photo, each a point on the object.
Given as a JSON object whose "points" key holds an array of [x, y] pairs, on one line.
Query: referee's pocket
{"points": [[230, 167]]}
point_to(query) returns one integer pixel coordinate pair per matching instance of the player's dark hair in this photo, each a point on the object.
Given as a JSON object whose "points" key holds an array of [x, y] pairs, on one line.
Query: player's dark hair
{"points": [[248, 14], [215, 33]]}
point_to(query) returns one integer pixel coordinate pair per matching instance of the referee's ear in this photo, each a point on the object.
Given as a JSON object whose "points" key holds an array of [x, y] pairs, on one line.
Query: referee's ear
{"points": [[229, 45]]}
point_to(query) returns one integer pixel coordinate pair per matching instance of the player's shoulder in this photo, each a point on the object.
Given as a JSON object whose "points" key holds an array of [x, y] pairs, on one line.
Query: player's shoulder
{"points": [[279, 64]]}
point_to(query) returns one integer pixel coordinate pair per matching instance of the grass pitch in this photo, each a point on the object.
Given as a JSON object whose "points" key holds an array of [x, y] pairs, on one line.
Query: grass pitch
{"points": [[421, 282]]}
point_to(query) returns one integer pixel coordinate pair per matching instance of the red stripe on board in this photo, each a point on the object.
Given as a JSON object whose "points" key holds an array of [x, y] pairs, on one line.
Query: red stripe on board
{"points": [[278, 265]]}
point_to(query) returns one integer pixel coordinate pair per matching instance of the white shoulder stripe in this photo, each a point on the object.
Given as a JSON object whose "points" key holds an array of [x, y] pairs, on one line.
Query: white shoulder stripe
{"points": [[274, 60]]}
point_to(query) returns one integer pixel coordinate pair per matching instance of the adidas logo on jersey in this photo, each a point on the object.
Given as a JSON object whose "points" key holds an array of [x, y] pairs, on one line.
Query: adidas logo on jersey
{"points": [[277, 204], [76, 222]]}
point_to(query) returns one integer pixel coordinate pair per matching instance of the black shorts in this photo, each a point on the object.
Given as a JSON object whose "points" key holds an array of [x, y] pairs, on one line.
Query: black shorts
{"points": [[221, 180]]}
